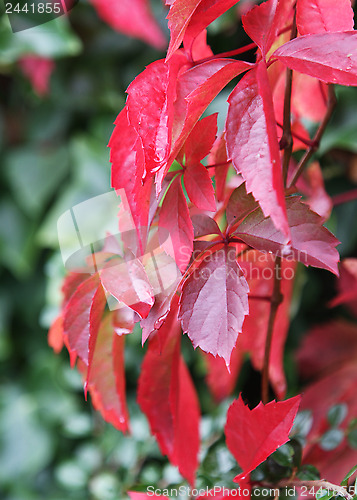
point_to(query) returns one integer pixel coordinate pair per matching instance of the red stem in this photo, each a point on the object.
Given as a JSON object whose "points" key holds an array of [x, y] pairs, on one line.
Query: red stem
{"points": [[230, 53], [339, 199]]}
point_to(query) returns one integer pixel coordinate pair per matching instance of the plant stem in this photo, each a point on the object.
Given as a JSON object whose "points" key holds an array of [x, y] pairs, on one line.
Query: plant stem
{"points": [[230, 53], [286, 141], [319, 483], [331, 104], [276, 300], [339, 199], [221, 164], [302, 139]]}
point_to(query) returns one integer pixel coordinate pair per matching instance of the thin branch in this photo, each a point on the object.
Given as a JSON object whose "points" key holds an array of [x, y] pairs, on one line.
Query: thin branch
{"points": [[230, 53], [286, 141], [276, 300], [331, 104]]}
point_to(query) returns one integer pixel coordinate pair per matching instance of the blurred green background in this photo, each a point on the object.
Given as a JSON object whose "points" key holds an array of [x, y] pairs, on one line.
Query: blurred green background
{"points": [[53, 156]]}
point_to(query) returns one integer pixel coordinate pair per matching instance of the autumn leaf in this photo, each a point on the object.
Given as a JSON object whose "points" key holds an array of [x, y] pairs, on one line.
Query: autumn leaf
{"points": [[150, 110], [127, 281], [38, 70], [106, 378], [347, 286], [128, 171], [133, 18], [196, 89], [203, 225], [191, 17], [167, 397], [253, 435], [82, 318], [259, 272], [263, 22], [311, 243], [174, 219], [330, 57], [319, 16], [214, 303], [252, 144]]}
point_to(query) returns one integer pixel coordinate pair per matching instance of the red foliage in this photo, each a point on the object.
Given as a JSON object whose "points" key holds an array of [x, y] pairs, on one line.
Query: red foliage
{"points": [[206, 237], [253, 435]]}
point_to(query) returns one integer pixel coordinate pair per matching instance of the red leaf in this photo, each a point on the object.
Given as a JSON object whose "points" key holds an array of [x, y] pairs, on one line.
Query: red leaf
{"points": [[253, 435], [337, 387], [311, 243], [214, 302], [199, 48], [240, 204], [319, 16], [127, 160], [150, 109], [106, 380], [55, 334], [132, 17], [82, 318], [200, 141], [127, 281], [252, 143], [326, 348], [167, 397], [330, 57], [199, 187], [164, 276], [347, 286], [312, 185], [197, 180], [328, 352], [175, 219], [196, 89], [190, 17], [219, 156], [259, 272], [220, 381], [264, 21], [203, 225], [38, 70]]}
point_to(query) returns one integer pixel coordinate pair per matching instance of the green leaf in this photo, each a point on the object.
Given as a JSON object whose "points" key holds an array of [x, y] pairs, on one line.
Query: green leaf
{"points": [[302, 424], [331, 439], [308, 473], [53, 39], [284, 455], [344, 481], [352, 438], [337, 414], [324, 494], [35, 174]]}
